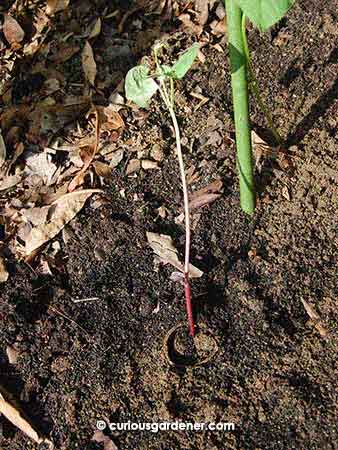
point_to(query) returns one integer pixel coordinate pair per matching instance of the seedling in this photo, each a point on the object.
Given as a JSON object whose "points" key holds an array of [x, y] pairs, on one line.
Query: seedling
{"points": [[140, 88], [263, 14]]}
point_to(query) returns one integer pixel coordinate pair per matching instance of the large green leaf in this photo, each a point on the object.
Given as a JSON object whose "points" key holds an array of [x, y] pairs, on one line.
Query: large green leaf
{"points": [[264, 13], [185, 61], [139, 86]]}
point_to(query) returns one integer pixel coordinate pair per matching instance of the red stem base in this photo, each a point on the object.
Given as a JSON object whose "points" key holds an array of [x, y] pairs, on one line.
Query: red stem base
{"points": [[187, 292]]}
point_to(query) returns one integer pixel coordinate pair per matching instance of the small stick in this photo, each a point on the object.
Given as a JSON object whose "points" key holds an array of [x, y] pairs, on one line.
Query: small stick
{"points": [[80, 300]]}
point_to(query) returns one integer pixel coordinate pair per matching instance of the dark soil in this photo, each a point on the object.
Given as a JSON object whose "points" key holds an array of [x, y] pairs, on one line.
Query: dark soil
{"points": [[274, 374]]}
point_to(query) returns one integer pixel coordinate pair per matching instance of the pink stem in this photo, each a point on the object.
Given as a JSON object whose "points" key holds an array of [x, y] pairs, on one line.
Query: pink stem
{"points": [[187, 290]]}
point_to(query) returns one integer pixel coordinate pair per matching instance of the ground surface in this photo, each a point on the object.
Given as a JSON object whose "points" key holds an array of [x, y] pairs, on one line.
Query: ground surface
{"points": [[274, 373]]}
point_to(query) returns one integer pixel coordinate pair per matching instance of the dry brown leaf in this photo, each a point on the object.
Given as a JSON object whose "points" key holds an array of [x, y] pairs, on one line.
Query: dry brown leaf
{"points": [[62, 211], [64, 53], [190, 25], [315, 318], [17, 419], [54, 6], [3, 271], [43, 269], [12, 354], [201, 198], [286, 193], [36, 216], [310, 310], [157, 153], [261, 149], [10, 181], [162, 212], [73, 147], [257, 140], [2, 150], [14, 136], [88, 157], [206, 195], [48, 120], [108, 444], [41, 164], [40, 23], [110, 119], [218, 27], [12, 115], [203, 11], [88, 63], [96, 29], [220, 11], [147, 164], [102, 170], [117, 102], [51, 86], [192, 175], [12, 30], [115, 157], [133, 166], [163, 246]]}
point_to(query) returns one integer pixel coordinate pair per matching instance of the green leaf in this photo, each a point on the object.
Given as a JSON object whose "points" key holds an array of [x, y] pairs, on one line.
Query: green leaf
{"points": [[139, 86], [264, 13], [185, 61], [164, 73]]}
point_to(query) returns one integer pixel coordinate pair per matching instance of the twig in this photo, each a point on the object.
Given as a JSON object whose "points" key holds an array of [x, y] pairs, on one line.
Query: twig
{"points": [[82, 300]]}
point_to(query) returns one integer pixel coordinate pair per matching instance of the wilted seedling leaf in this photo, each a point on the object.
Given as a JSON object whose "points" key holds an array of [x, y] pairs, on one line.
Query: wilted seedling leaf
{"points": [[163, 246], [139, 86], [185, 61]]}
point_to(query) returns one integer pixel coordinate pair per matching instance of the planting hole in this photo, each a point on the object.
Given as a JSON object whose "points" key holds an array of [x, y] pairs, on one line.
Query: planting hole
{"points": [[182, 350]]}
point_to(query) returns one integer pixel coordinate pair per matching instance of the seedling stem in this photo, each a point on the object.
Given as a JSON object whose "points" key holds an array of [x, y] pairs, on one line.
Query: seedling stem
{"points": [[140, 88], [169, 102]]}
